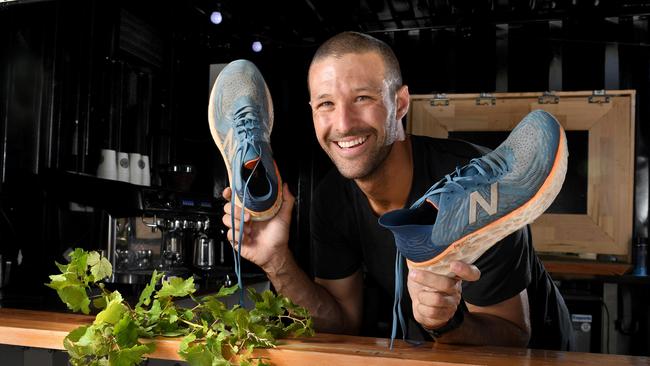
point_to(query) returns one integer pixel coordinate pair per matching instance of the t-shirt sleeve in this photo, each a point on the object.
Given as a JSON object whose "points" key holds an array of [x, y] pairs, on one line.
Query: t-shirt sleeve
{"points": [[505, 270], [334, 254]]}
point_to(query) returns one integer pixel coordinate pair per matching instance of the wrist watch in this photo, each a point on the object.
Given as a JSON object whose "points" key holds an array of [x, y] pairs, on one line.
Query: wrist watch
{"points": [[452, 324]]}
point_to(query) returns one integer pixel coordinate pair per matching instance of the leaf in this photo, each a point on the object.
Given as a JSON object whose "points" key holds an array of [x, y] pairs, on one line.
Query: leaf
{"points": [[128, 356], [78, 262], [76, 298], [126, 332], [58, 281], [99, 302], [63, 268], [145, 295], [198, 355], [176, 287], [93, 258], [226, 291], [69, 342], [188, 314], [113, 312], [101, 269]]}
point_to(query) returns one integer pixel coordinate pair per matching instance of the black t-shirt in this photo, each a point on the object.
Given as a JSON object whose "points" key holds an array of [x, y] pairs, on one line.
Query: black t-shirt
{"points": [[346, 237]]}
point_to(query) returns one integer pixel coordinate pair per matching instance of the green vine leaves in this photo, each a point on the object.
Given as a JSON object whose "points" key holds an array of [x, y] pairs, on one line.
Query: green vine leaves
{"points": [[213, 334]]}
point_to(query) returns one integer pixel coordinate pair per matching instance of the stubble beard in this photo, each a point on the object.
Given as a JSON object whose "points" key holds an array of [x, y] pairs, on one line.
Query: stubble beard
{"points": [[353, 170]]}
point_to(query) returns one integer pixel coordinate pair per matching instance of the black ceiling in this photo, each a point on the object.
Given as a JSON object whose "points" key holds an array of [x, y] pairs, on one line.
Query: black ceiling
{"points": [[305, 22]]}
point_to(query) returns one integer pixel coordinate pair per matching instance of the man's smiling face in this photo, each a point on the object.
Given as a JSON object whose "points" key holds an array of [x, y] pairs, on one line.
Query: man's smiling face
{"points": [[354, 115]]}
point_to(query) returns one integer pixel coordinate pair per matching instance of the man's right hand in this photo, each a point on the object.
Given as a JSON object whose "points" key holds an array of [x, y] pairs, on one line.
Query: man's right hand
{"points": [[435, 297], [265, 242]]}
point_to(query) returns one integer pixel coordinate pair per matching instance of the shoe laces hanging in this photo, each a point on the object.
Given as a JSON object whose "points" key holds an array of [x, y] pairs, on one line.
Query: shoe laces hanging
{"points": [[247, 128], [397, 299]]}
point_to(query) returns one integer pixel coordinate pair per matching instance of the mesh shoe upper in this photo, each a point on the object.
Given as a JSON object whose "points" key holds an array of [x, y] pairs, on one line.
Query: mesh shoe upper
{"points": [[476, 195], [241, 119]]}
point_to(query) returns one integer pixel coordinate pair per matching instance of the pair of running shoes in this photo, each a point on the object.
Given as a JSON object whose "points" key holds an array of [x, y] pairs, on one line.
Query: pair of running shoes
{"points": [[458, 218]]}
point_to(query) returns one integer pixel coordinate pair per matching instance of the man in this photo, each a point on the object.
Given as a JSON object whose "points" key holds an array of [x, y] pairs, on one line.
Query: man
{"points": [[358, 101]]}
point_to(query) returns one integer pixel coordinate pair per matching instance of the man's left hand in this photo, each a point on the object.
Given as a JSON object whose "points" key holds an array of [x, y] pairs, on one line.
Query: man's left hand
{"points": [[435, 297]]}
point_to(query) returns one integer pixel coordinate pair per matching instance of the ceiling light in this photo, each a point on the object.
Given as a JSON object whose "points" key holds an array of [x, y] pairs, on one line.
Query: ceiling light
{"points": [[216, 17], [257, 46]]}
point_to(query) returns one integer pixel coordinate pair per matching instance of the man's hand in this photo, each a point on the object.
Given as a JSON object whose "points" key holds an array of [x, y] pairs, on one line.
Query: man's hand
{"points": [[435, 297], [265, 242]]}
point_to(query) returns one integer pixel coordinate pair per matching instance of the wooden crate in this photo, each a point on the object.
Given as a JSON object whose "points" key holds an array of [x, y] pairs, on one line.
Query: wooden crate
{"points": [[608, 120]]}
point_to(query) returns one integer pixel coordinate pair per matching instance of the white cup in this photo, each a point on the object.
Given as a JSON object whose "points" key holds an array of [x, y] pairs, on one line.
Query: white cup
{"points": [[146, 171], [107, 168], [122, 166], [135, 170]]}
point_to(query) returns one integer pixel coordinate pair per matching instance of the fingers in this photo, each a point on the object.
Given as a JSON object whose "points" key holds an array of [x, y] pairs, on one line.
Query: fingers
{"points": [[434, 282], [464, 271], [435, 297], [235, 241], [433, 317], [236, 213], [236, 224], [287, 203], [227, 193]]}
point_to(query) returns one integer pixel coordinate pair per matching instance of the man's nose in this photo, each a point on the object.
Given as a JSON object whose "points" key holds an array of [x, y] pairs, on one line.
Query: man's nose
{"points": [[345, 119]]}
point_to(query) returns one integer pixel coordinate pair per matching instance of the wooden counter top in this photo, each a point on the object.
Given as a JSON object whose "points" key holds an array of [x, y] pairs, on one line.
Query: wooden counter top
{"points": [[47, 330]]}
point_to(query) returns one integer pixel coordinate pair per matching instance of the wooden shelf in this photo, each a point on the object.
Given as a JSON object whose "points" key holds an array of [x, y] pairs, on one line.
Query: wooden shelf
{"points": [[586, 268], [47, 330]]}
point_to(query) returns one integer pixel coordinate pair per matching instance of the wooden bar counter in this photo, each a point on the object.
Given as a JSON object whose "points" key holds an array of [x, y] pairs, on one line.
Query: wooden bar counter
{"points": [[47, 329]]}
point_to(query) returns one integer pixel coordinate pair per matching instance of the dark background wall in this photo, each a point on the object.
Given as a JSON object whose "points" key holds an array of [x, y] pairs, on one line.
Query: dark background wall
{"points": [[78, 76]]}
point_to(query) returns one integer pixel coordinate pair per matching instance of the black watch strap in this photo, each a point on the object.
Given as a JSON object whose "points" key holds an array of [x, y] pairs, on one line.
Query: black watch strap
{"points": [[452, 324]]}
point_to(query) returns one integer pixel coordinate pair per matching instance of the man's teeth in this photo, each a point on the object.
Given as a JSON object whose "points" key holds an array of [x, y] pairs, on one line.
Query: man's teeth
{"points": [[352, 143]]}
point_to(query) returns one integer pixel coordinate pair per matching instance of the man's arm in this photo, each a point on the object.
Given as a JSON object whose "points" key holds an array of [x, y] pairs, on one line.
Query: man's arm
{"points": [[504, 324], [335, 305], [436, 298]]}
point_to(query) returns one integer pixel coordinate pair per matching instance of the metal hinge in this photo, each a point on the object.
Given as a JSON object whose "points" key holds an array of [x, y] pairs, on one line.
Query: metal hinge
{"points": [[439, 100], [599, 96], [548, 97], [486, 99]]}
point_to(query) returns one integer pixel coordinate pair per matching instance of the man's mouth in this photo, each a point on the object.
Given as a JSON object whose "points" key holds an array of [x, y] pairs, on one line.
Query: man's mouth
{"points": [[352, 143]]}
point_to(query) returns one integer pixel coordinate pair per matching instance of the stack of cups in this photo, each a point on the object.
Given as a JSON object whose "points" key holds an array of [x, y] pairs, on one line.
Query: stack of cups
{"points": [[132, 168], [107, 168]]}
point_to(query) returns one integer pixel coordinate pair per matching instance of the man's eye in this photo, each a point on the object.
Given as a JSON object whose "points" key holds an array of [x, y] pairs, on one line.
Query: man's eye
{"points": [[325, 104], [361, 98]]}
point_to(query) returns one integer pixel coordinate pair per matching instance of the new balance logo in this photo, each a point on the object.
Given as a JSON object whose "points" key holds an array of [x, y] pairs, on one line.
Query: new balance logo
{"points": [[476, 199]]}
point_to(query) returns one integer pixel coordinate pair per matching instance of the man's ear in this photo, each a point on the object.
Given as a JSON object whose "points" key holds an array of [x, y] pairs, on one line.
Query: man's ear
{"points": [[403, 99]]}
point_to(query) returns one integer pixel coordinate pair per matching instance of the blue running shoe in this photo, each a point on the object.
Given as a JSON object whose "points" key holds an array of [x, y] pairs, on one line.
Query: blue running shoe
{"points": [[241, 120], [473, 208]]}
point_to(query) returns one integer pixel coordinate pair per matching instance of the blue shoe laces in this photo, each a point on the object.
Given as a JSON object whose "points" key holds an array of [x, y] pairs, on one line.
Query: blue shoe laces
{"points": [[397, 299], [246, 126], [477, 169]]}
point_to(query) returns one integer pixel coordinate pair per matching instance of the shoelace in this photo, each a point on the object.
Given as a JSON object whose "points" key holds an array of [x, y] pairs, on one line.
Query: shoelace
{"points": [[457, 180], [245, 120], [397, 299], [246, 123], [453, 182]]}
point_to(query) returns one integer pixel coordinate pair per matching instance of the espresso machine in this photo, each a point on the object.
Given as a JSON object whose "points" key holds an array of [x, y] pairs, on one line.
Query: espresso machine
{"points": [[153, 228], [174, 232]]}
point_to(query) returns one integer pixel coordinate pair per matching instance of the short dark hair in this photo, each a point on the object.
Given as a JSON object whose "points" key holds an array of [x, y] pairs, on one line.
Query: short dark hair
{"points": [[354, 42]]}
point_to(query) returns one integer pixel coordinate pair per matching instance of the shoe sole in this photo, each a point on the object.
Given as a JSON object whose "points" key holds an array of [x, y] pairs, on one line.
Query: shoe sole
{"points": [[255, 215], [470, 247]]}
